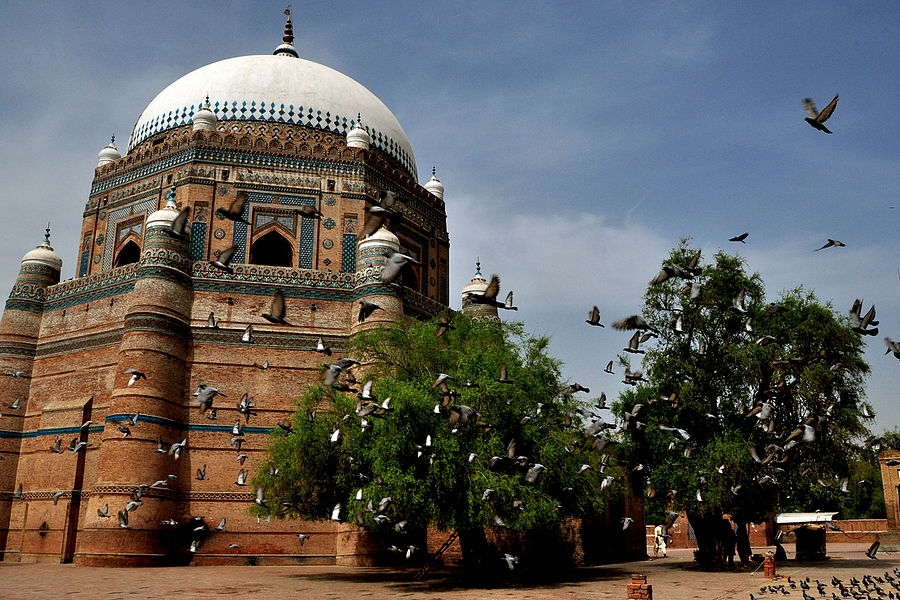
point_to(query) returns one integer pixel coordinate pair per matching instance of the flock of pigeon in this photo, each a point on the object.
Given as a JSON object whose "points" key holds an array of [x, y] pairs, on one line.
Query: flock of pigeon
{"points": [[869, 587]]}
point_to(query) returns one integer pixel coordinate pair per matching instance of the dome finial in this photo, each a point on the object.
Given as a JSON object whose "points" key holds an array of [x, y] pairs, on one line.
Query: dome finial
{"points": [[47, 235], [170, 198], [112, 139], [478, 265], [287, 47]]}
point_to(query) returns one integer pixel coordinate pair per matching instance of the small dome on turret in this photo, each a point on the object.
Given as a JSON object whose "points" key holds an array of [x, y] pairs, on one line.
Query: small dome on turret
{"points": [[478, 283], [358, 137], [204, 118], [164, 216], [434, 185], [44, 254], [383, 237], [109, 153]]}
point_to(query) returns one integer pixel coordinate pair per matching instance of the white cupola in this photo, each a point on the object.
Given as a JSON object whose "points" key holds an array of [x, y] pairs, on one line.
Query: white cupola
{"points": [[109, 153]]}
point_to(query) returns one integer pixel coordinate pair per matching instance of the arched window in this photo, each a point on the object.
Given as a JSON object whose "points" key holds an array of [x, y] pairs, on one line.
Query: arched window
{"points": [[273, 250], [129, 253]]}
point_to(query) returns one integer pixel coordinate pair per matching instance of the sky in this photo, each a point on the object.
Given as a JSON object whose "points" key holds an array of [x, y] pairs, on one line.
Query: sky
{"points": [[578, 142]]}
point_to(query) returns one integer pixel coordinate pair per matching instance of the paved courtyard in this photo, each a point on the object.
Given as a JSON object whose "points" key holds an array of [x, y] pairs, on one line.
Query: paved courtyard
{"points": [[673, 578]]}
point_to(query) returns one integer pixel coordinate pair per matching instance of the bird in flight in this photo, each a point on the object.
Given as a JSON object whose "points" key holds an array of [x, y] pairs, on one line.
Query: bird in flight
{"points": [[277, 309], [395, 265], [235, 209], [739, 238], [832, 243], [223, 263], [594, 317], [816, 118]]}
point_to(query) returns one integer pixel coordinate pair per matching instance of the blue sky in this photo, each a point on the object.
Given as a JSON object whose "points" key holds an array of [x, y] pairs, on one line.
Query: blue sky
{"points": [[578, 142]]}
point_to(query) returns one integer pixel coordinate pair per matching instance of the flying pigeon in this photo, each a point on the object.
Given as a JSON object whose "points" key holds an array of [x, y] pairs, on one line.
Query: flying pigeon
{"points": [[235, 210], [277, 309], [223, 263], [135, 376], [816, 118], [832, 243], [395, 265], [366, 308], [594, 317], [178, 227], [739, 238]]}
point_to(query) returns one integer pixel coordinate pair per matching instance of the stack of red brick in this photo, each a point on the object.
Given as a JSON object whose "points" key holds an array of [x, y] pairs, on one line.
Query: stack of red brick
{"points": [[639, 589]]}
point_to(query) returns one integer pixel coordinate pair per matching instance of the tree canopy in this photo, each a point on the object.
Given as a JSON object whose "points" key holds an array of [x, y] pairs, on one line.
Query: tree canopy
{"points": [[745, 404], [500, 444]]}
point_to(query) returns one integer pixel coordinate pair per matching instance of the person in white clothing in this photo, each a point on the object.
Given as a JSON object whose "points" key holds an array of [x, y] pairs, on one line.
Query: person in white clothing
{"points": [[659, 536]]}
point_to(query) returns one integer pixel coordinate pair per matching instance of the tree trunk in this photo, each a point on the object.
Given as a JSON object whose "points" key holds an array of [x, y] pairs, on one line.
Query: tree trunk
{"points": [[709, 530], [743, 543], [474, 547]]}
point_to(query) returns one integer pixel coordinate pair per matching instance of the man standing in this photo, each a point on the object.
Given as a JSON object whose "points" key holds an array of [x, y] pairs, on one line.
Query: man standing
{"points": [[659, 541]]}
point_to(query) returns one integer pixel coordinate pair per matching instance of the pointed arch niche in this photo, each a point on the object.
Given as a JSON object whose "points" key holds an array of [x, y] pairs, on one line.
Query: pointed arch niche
{"points": [[272, 249], [128, 253]]}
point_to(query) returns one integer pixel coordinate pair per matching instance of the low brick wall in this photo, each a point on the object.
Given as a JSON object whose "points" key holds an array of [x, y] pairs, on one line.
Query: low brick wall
{"points": [[852, 530]]}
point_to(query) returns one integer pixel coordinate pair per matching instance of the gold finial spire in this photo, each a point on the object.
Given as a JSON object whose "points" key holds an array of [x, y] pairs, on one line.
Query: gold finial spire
{"points": [[287, 46], [288, 27]]}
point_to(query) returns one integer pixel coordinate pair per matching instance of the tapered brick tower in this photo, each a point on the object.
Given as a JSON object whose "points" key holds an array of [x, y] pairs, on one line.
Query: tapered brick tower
{"points": [[155, 342]]}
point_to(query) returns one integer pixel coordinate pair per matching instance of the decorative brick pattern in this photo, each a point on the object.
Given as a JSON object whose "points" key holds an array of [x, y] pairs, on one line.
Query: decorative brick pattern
{"points": [[264, 111], [144, 206], [307, 230], [198, 241], [85, 263]]}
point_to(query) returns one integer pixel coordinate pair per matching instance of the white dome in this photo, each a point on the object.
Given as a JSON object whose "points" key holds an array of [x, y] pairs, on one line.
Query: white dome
{"points": [[359, 137], [477, 285], [204, 118], [166, 215], [44, 255], [109, 154], [435, 186], [280, 89], [382, 237]]}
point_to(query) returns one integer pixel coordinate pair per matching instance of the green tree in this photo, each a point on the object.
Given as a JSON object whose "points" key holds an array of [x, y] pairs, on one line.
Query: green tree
{"points": [[743, 402], [435, 473]]}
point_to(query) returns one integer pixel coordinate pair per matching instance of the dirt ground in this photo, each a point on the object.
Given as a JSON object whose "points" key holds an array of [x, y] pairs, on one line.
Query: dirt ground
{"points": [[672, 578]]}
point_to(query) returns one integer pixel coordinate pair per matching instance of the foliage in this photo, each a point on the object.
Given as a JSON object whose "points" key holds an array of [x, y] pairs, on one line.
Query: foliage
{"points": [[716, 381], [439, 485]]}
